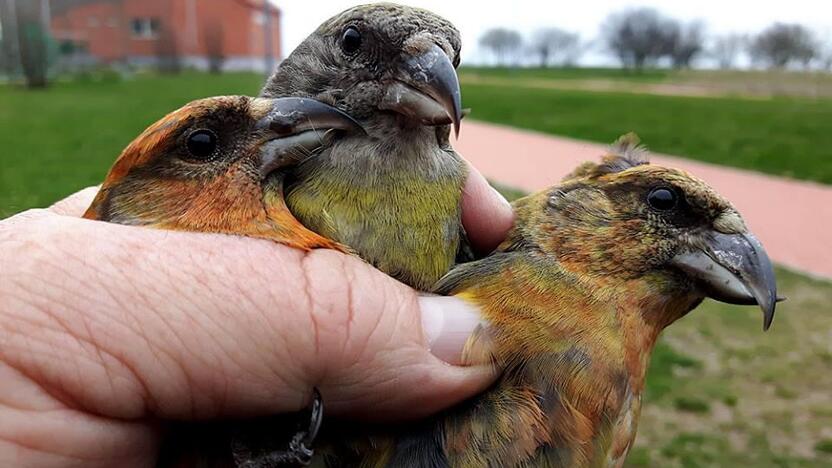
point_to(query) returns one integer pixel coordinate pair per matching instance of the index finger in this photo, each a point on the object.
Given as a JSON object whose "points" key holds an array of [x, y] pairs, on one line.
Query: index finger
{"points": [[76, 204], [486, 214]]}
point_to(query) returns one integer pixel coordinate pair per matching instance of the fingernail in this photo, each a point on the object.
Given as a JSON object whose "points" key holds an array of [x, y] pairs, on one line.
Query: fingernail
{"points": [[447, 324]]}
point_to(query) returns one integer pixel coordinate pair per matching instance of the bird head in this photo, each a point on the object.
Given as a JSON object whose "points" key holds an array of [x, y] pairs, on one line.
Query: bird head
{"points": [[207, 165], [376, 61], [624, 219]]}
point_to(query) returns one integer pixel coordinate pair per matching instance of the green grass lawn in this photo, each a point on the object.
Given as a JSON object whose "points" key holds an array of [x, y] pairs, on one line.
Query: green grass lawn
{"points": [[748, 83], [65, 138], [569, 73], [788, 137]]}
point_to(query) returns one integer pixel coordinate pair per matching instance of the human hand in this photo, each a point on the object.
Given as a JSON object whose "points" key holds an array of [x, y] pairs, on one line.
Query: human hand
{"points": [[109, 330]]}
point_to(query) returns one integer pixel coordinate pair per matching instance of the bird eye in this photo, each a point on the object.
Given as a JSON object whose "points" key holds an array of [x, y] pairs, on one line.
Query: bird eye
{"points": [[350, 40], [202, 143], [662, 199]]}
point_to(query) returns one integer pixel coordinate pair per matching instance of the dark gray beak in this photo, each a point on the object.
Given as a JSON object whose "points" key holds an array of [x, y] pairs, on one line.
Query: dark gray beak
{"points": [[298, 127], [427, 90], [733, 268]]}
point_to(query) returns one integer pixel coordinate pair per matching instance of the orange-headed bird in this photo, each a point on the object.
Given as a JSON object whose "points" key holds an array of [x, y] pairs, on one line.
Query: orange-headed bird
{"points": [[217, 165]]}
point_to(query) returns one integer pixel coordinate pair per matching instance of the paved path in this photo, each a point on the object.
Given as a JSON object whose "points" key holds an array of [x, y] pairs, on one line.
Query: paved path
{"points": [[792, 219]]}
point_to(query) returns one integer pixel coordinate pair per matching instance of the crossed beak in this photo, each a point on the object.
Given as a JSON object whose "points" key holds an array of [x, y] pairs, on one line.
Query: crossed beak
{"points": [[732, 268], [426, 90], [295, 128]]}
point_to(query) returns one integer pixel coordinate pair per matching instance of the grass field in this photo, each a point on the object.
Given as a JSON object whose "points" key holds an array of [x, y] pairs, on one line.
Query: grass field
{"points": [[569, 73], [788, 137], [755, 83], [720, 392]]}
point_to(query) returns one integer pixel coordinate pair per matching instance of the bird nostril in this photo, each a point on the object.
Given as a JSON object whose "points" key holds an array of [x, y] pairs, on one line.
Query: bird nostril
{"points": [[281, 126]]}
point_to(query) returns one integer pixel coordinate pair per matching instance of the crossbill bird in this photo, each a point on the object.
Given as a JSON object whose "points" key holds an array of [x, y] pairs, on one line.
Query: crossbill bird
{"points": [[217, 165], [394, 193], [574, 300]]}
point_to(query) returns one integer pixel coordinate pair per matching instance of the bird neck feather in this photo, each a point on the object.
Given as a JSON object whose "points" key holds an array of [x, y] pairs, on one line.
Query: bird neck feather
{"points": [[580, 344]]}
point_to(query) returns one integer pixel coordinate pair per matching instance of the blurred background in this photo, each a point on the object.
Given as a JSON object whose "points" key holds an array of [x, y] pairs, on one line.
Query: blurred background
{"points": [[738, 93]]}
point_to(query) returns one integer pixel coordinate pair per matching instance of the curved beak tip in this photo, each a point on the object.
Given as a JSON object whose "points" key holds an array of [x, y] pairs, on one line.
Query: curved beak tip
{"points": [[299, 127], [768, 311], [427, 89], [734, 269]]}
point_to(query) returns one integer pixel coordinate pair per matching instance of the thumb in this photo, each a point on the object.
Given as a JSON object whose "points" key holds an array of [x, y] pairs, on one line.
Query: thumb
{"points": [[382, 351]]}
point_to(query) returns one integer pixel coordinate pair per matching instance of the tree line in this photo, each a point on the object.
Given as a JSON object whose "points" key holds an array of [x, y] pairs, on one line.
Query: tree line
{"points": [[644, 37]]}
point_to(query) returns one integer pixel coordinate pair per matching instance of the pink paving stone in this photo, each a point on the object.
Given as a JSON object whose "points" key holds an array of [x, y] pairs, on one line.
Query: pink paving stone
{"points": [[792, 219]]}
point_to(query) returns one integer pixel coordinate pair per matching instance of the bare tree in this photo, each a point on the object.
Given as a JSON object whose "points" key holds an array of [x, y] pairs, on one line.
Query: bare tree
{"points": [[726, 48], [555, 46], [684, 42], [215, 46], [825, 50], [168, 59], [504, 43], [9, 61], [826, 59], [33, 41], [781, 45], [638, 37]]}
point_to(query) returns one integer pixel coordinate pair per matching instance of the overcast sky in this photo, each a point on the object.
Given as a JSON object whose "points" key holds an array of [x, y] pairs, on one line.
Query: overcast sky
{"points": [[301, 17]]}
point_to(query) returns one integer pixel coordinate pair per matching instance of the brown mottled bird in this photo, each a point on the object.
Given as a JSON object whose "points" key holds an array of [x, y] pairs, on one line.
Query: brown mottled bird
{"points": [[217, 165], [394, 193], [575, 298]]}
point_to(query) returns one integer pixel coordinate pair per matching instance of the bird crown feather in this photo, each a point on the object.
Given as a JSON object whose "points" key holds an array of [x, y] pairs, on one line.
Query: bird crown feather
{"points": [[627, 152]]}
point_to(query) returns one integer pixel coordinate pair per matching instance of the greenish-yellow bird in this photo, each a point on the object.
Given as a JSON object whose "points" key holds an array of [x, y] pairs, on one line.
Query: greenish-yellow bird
{"points": [[393, 195]]}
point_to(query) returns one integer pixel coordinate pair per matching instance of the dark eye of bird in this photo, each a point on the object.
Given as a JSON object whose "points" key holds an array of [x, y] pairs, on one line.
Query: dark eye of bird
{"points": [[202, 143], [351, 40], [662, 199]]}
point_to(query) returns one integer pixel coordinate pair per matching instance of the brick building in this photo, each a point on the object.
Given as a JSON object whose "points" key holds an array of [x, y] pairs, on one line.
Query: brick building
{"points": [[144, 32]]}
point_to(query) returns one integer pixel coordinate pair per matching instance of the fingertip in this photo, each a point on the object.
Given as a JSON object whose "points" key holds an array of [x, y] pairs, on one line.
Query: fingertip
{"points": [[418, 391], [486, 214], [453, 385]]}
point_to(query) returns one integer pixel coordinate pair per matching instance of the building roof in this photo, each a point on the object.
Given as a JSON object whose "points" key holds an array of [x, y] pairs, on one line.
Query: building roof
{"points": [[58, 7], [259, 4], [61, 6]]}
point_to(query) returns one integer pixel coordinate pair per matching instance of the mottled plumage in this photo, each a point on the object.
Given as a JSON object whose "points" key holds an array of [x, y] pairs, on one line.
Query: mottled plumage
{"points": [[394, 194], [575, 298]]}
